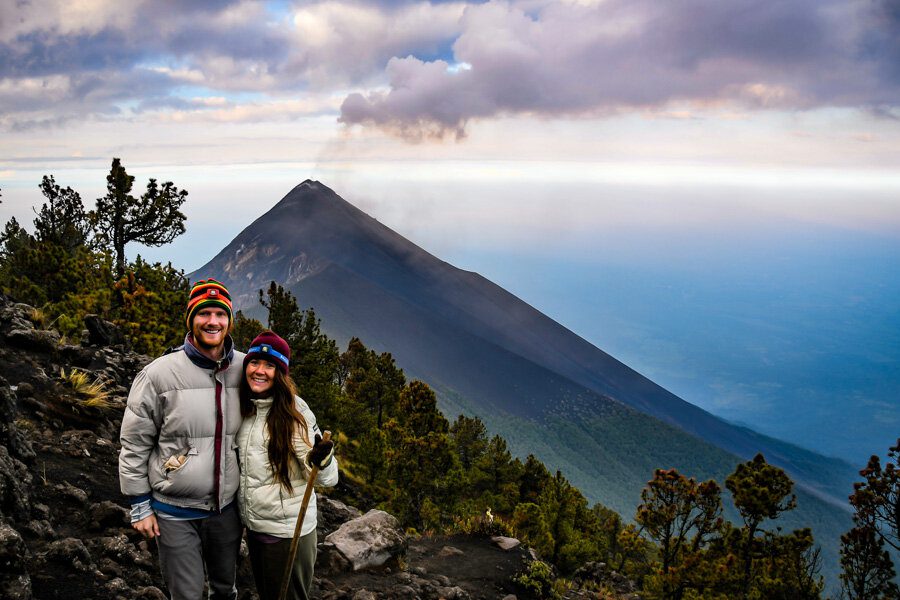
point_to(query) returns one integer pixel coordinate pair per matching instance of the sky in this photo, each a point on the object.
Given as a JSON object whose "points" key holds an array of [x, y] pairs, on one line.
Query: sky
{"points": [[709, 191]]}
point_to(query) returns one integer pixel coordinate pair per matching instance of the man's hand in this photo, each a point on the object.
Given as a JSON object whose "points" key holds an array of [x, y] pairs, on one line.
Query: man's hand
{"points": [[320, 454], [148, 527]]}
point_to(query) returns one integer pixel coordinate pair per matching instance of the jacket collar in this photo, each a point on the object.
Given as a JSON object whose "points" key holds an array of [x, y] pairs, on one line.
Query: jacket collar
{"points": [[262, 403], [204, 362]]}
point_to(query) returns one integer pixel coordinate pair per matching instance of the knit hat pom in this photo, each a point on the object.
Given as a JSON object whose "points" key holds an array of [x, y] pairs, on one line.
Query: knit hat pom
{"points": [[269, 346]]}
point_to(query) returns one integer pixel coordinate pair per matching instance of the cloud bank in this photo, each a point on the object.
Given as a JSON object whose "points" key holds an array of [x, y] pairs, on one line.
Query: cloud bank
{"points": [[595, 58], [426, 69], [63, 59]]}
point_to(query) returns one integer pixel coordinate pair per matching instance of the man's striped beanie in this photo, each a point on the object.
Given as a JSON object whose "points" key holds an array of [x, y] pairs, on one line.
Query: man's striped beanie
{"points": [[207, 293]]}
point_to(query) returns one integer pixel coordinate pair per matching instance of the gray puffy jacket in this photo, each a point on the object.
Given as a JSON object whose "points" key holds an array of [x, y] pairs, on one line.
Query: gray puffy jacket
{"points": [[174, 410]]}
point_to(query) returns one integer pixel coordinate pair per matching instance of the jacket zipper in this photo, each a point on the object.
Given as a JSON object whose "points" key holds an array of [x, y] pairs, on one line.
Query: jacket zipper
{"points": [[218, 439], [246, 454]]}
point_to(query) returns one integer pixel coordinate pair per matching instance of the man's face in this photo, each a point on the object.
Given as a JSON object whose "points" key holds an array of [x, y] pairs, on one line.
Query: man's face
{"points": [[210, 327]]}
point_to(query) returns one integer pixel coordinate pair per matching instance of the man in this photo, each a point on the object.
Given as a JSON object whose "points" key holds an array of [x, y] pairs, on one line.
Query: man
{"points": [[178, 460]]}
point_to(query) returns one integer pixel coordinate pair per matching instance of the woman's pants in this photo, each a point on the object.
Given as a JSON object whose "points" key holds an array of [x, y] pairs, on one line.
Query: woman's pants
{"points": [[267, 561]]}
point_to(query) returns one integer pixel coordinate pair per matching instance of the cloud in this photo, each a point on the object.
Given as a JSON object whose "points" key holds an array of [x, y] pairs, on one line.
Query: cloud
{"points": [[426, 69], [596, 58], [167, 49]]}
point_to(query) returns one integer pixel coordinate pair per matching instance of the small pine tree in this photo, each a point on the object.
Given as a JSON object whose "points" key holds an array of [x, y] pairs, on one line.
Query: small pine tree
{"points": [[153, 219]]}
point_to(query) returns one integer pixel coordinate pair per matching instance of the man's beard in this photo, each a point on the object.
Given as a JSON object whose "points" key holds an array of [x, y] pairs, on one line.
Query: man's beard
{"points": [[198, 340]]}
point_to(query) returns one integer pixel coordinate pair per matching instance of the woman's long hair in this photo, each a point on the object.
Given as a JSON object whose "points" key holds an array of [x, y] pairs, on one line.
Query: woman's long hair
{"points": [[282, 421]]}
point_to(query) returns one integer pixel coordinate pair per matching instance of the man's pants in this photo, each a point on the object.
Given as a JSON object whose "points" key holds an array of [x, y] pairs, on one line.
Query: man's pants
{"points": [[186, 547], [268, 560]]}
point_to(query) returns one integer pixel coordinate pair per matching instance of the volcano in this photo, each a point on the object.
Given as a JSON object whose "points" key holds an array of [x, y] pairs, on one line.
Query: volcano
{"points": [[486, 352]]}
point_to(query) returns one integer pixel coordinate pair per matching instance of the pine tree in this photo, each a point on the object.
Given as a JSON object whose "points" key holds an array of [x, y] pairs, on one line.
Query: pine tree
{"points": [[153, 219], [284, 312], [245, 329], [423, 467], [470, 439], [867, 568], [680, 515], [62, 219], [760, 491]]}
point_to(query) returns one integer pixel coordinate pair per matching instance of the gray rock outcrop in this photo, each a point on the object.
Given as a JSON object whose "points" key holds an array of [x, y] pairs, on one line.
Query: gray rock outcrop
{"points": [[369, 541]]}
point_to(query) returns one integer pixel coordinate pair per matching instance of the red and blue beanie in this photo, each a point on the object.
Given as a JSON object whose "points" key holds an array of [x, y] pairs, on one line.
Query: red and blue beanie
{"points": [[271, 347], [207, 293]]}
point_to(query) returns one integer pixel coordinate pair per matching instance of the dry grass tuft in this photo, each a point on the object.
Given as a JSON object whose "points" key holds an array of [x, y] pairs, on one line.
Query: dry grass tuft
{"points": [[90, 393]]}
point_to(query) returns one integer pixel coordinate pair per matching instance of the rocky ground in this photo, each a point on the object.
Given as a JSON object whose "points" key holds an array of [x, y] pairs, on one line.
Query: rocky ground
{"points": [[64, 530]]}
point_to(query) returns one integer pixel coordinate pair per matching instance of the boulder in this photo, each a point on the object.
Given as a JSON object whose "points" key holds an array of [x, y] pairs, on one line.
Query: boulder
{"points": [[101, 332], [447, 551], [505, 543], [10, 436], [333, 513], [109, 514], [15, 486], [369, 541], [16, 316], [71, 551], [13, 551], [34, 340]]}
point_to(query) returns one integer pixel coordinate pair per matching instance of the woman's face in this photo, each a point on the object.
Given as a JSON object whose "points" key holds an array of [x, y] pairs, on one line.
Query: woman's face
{"points": [[260, 376]]}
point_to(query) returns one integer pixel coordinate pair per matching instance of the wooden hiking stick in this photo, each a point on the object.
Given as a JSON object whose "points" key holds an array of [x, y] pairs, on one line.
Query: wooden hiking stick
{"points": [[295, 541]]}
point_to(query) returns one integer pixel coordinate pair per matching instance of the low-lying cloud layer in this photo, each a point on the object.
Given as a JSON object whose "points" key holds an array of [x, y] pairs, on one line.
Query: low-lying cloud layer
{"points": [[426, 69]]}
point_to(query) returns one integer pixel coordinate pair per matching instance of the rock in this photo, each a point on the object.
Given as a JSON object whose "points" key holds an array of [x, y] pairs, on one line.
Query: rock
{"points": [[109, 514], [510, 597], [102, 332], [363, 594], [453, 593], [16, 587], [117, 587], [10, 436], [404, 592], [41, 529], [32, 403], [15, 486], [41, 511], [329, 560], [13, 551], [333, 513], [71, 551], [443, 580], [17, 316], [24, 390], [420, 571], [449, 551], [505, 543], [369, 541], [78, 495], [34, 340], [149, 593]]}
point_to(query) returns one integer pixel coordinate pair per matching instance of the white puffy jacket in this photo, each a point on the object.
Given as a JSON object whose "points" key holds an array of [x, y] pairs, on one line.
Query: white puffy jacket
{"points": [[264, 504]]}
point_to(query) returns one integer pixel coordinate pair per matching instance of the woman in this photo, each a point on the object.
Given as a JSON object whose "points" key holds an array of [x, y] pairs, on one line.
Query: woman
{"points": [[276, 456]]}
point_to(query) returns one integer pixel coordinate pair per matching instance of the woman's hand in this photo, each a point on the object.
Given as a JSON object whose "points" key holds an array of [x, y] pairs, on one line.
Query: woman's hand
{"points": [[320, 454]]}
